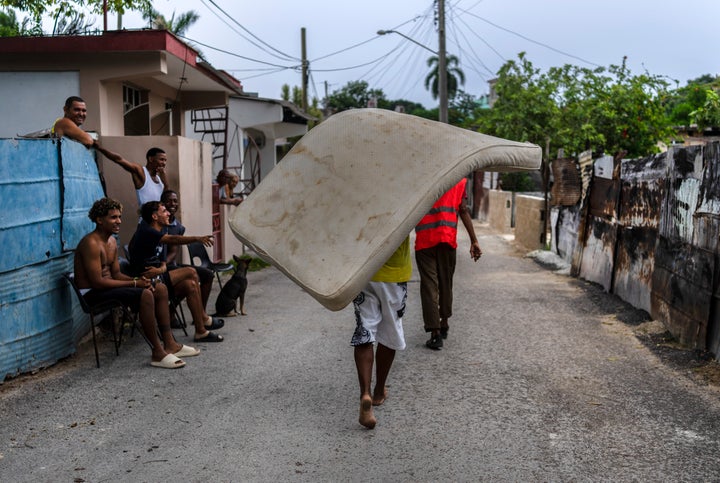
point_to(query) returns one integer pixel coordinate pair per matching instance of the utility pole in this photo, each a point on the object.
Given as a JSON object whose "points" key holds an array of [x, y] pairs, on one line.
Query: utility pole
{"points": [[104, 9], [442, 64], [304, 70]]}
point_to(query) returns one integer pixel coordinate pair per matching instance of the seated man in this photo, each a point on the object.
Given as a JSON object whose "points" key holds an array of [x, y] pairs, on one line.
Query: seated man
{"points": [[75, 112], [170, 199], [97, 270], [146, 248]]}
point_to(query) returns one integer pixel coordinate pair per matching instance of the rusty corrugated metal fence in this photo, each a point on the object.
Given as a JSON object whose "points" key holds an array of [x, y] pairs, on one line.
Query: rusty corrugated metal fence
{"points": [[647, 230]]}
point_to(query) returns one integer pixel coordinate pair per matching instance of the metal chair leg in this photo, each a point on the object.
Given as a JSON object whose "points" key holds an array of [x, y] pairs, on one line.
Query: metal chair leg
{"points": [[92, 328]]}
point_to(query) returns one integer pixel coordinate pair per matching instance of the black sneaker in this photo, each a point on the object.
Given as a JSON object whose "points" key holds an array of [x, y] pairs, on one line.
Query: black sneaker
{"points": [[434, 343], [444, 332]]}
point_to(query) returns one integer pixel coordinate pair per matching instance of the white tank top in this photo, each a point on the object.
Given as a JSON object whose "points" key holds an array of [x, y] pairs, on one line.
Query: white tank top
{"points": [[151, 190]]}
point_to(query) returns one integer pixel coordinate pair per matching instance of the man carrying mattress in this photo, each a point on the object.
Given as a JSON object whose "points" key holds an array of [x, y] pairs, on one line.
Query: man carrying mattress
{"points": [[379, 309]]}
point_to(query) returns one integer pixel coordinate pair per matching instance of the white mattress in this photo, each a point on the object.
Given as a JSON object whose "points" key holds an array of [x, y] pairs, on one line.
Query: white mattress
{"points": [[348, 193]]}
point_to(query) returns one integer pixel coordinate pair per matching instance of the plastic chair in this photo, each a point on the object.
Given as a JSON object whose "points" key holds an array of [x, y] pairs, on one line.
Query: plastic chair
{"points": [[99, 308], [197, 250]]}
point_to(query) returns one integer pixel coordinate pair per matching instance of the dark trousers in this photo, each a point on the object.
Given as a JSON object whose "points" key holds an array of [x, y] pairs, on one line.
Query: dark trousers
{"points": [[436, 266]]}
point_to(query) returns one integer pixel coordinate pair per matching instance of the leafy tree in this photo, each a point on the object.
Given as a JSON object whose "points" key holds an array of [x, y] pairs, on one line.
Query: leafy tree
{"points": [[463, 109], [455, 76], [684, 100], [355, 94], [708, 115], [296, 97], [313, 109], [525, 109], [606, 110], [37, 9], [11, 27], [518, 181]]}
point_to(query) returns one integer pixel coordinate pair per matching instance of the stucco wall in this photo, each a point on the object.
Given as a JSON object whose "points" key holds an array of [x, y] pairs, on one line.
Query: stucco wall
{"points": [[529, 221], [188, 171], [500, 210], [33, 100]]}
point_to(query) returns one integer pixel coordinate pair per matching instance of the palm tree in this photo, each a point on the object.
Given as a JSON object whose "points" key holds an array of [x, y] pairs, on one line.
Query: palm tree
{"points": [[178, 27], [454, 74]]}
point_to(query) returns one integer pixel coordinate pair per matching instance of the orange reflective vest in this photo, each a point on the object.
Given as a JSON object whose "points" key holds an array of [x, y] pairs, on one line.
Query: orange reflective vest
{"points": [[440, 224]]}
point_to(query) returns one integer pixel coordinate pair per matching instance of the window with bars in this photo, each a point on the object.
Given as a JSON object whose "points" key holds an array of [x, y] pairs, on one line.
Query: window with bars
{"points": [[133, 97]]}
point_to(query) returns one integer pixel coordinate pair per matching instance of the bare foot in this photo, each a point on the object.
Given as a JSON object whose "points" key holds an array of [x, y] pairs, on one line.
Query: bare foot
{"points": [[378, 399], [367, 418]]}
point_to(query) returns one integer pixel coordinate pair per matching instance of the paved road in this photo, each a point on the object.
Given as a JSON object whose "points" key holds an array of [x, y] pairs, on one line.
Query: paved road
{"points": [[538, 381]]}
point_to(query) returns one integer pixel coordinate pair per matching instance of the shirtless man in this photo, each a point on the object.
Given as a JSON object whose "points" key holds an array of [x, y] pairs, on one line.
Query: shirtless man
{"points": [[97, 273], [69, 125], [149, 180]]}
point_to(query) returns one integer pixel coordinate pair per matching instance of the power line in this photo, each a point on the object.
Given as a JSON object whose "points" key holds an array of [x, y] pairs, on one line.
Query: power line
{"points": [[423, 31], [286, 56], [503, 59], [234, 54], [476, 56], [363, 42], [529, 39]]}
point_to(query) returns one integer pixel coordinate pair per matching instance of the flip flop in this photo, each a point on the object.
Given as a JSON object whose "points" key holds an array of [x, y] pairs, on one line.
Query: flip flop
{"points": [[170, 361], [210, 337], [187, 351], [215, 324]]}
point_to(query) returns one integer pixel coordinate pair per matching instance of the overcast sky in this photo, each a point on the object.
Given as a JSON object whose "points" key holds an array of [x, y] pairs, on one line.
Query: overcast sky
{"points": [[673, 39]]}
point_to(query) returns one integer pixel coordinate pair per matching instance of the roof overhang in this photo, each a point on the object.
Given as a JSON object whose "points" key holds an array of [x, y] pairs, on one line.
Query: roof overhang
{"points": [[181, 62]]}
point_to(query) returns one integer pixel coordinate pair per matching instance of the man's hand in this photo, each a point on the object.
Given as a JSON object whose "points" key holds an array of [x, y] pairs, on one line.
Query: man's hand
{"points": [[475, 251], [206, 240], [152, 272], [144, 282]]}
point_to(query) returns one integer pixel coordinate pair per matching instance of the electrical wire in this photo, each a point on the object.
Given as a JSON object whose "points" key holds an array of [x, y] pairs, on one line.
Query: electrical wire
{"points": [[242, 35], [361, 43], [530, 40], [475, 55], [234, 54], [403, 71], [287, 56]]}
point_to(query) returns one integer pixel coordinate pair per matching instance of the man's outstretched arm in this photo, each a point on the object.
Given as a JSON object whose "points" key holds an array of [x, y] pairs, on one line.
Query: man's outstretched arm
{"points": [[206, 240], [138, 175]]}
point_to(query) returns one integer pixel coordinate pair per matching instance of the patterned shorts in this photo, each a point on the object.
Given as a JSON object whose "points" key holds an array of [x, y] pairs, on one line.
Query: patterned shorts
{"points": [[379, 309]]}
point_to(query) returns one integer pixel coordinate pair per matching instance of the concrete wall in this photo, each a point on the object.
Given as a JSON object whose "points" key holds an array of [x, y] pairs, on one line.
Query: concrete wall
{"points": [[529, 221], [500, 210]]}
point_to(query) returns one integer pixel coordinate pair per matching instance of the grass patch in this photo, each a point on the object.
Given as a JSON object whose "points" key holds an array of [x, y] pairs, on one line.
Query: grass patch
{"points": [[256, 264]]}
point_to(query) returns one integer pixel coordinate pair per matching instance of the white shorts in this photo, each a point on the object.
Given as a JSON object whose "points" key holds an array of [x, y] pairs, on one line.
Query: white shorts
{"points": [[379, 309]]}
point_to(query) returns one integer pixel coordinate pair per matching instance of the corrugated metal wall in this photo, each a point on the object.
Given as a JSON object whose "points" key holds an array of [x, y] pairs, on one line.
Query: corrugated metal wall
{"points": [[649, 233], [43, 214]]}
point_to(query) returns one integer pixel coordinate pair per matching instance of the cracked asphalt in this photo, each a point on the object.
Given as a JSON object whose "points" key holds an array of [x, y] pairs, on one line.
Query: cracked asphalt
{"points": [[542, 378]]}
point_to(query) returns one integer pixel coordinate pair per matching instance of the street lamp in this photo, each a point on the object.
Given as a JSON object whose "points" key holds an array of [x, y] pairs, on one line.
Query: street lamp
{"points": [[442, 74], [384, 32]]}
